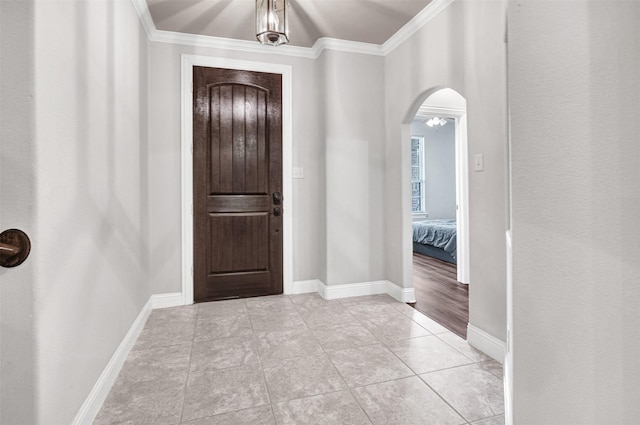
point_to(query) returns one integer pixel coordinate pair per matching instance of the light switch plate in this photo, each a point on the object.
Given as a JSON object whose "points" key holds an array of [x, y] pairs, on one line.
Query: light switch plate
{"points": [[478, 162], [298, 173]]}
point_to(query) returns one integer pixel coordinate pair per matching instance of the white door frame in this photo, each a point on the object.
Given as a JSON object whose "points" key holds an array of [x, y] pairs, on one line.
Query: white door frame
{"points": [[462, 186], [188, 62]]}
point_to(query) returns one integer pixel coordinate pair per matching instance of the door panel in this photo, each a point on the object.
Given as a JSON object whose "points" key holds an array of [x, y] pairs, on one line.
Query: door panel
{"points": [[237, 168], [245, 233]]}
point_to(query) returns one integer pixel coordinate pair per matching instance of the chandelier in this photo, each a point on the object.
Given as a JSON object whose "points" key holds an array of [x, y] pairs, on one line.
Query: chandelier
{"points": [[272, 27], [436, 121]]}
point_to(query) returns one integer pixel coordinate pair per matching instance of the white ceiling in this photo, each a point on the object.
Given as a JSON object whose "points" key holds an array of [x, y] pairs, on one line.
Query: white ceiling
{"points": [[368, 21]]}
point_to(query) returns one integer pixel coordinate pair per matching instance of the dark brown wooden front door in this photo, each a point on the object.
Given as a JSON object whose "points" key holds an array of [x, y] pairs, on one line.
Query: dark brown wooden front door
{"points": [[237, 183]]}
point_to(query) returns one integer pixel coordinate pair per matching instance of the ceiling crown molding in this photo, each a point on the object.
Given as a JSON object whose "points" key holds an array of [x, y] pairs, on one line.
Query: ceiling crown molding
{"points": [[428, 13], [161, 36]]}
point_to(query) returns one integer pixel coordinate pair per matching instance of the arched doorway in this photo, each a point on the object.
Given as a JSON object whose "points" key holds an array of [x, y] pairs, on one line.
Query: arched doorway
{"points": [[438, 217]]}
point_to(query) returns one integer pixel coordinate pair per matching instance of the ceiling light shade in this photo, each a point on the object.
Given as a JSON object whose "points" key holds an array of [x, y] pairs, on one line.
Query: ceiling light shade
{"points": [[436, 121], [272, 26]]}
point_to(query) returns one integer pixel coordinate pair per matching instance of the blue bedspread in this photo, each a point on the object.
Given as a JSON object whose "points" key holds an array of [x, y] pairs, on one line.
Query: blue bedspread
{"points": [[439, 233]]}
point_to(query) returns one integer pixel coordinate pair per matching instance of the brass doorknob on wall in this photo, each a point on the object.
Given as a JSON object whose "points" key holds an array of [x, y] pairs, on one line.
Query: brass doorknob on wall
{"points": [[14, 247]]}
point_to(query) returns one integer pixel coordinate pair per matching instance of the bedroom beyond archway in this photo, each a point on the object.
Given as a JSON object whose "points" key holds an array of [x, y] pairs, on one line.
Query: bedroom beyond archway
{"points": [[439, 210]]}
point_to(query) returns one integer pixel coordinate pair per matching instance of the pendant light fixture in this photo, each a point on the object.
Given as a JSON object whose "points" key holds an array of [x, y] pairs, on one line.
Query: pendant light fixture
{"points": [[272, 26], [436, 121]]}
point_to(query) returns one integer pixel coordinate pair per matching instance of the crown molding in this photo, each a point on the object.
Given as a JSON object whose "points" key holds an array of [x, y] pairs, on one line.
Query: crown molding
{"points": [[229, 44], [325, 43], [441, 110], [335, 44], [428, 13]]}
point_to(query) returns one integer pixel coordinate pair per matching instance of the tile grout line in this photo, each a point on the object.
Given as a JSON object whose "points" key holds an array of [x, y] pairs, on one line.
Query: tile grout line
{"points": [[186, 382]]}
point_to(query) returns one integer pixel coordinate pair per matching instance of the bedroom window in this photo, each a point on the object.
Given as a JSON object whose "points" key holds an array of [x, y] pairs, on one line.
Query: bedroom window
{"points": [[417, 175]]}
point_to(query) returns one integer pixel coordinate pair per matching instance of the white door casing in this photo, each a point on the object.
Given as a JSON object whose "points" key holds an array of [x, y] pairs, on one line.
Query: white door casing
{"points": [[188, 62]]}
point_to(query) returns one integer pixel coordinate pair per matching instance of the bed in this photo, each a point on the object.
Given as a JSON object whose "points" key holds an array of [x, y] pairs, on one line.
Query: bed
{"points": [[436, 238]]}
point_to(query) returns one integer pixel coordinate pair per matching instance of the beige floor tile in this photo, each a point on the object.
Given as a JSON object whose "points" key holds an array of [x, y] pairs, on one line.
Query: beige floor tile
{"points": [[424, 321], [463, 346], [211, 355], [496, 420], [270, 320], [389, 329], [406, 401], [222, 308], [166, 333], [367, 365], [286, 344], [344, 337], [262, 415], [156, 363], [365, 311], [149, 402], [218, 327], [330, 316], [301, 377], [292, 358], [224, 391], [273, 302], [427, 354], [494, 367], [471, 390], [339, 408]]}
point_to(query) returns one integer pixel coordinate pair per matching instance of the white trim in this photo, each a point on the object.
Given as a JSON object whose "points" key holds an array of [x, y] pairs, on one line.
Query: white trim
{"points": [[462, 185], [172, 299], [188, 62], [347, 290], [462, 195], [405, 207], [428, 13], [305, 286], [325, 43], [92, 404], [335, 44], [333, 292], [485, 342], [194, 40], [508, 358], [142, 10], [405, 295], [440, 110]]}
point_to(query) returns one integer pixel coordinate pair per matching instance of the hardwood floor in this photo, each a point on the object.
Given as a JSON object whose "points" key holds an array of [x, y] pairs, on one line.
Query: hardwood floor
{"points": [[439, 295]]}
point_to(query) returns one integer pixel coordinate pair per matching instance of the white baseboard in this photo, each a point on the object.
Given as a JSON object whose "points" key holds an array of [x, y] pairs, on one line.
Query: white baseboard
{"points": [[172, 299], [333, 292], [405, 295], [306, 286], [508, 392], [487, 343], [100, 390]]}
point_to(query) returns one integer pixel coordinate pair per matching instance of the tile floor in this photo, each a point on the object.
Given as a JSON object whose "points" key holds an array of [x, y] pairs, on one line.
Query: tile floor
{"points": [[302, 360]]}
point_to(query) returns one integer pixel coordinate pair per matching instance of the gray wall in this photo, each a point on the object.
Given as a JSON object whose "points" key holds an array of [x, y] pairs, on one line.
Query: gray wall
{"points": [[337, 138], [354, 125], [469, 56], [17, 198], [74, 177], [575, 146], [440, 168], [101, 150], [309, 220]]}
